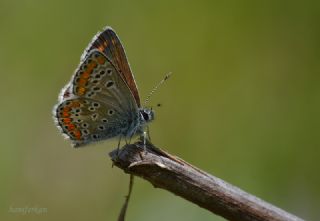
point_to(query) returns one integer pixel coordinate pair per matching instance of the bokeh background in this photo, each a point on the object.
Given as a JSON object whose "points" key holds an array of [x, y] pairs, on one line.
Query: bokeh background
{"points": [[243, 103]]}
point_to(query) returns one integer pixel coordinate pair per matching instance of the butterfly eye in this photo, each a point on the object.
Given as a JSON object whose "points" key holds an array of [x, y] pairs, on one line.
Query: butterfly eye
{"points": [[145, 116]]}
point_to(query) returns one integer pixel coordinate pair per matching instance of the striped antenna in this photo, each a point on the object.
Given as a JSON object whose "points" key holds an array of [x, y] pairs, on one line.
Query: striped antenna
{"points": [[156, 87]]}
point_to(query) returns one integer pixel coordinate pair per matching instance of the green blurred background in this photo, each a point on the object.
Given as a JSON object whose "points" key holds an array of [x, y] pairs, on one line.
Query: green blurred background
{"points": [[242, 104]]}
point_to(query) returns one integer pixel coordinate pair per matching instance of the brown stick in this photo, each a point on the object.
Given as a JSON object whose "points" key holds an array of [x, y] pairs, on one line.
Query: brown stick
{"points": [[181, 178]]}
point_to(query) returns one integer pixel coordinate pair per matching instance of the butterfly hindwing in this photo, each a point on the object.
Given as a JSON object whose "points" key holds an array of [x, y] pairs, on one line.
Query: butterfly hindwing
{"points": [[86, 120]]}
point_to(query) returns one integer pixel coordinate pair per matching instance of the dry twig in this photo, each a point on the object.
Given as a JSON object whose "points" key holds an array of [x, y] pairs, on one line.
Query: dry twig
{"points": [[181, 178]]}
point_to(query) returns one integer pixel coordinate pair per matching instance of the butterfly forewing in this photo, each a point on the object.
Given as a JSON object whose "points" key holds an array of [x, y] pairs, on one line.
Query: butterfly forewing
{"points": [[97, 78], [109, 44]]}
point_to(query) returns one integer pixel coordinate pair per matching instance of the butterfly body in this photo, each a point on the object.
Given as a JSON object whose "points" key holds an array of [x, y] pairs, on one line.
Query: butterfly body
{"points": [[101, 101]]}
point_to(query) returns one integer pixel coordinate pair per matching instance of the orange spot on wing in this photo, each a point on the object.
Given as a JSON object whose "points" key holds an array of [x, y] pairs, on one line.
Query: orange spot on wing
{"points": [[66, 109], [65, 114], [85, 75], [71, 127], [66, 120], [101, 60], [82, 81], [81, 90], [101, 48], [92, 65], [75, 104], [77, 134]]}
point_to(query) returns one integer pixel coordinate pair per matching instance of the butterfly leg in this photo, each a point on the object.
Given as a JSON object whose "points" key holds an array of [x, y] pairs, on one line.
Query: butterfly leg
{"points": [[130, 139], [145, 141], [118, 148], [148, 133], [134, 132]]}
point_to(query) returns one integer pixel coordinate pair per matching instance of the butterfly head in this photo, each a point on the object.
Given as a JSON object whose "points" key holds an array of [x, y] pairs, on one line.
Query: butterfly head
{"points": [[146, 115]]}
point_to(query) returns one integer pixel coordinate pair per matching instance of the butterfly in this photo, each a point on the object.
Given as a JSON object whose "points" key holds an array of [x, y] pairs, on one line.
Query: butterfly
{"points": [[101, 101]]}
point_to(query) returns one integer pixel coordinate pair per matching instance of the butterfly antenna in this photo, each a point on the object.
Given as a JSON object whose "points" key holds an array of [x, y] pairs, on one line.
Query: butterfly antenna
{"points": [[156, 87]]}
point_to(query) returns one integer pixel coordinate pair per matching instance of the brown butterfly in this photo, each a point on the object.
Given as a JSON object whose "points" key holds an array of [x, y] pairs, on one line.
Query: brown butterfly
{"points": [[101, 101]]}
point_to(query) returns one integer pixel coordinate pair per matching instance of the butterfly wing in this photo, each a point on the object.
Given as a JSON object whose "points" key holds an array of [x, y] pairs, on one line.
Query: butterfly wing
{"points": [[99, 104], [109, 44], [85, 120]]}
